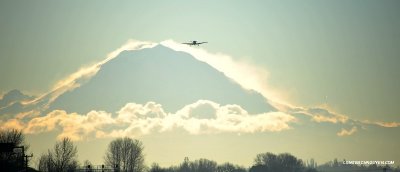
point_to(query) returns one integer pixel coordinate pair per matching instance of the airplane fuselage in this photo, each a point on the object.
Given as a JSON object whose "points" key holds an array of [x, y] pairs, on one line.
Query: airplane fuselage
{"points": [[194, 43]]}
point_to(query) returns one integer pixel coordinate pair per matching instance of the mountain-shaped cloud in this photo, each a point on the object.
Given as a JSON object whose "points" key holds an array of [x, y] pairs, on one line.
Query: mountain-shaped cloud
{"points": [[171, 78], [200, 117]]}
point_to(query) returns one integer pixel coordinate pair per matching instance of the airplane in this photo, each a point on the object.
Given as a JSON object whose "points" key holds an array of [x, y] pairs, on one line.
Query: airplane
{"points": [[194, 43]]}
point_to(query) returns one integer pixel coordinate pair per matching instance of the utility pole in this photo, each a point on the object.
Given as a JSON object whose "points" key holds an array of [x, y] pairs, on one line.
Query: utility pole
{"points": [[25, 156], [26, 161]]}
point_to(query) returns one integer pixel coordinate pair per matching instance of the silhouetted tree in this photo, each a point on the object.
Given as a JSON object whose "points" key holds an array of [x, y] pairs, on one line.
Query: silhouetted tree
{"points": [[204, 165], [269, 162], [185, 166], [228, 167], [125, 154], [200, 165], [62, 159], [46, 162], [311, 163], [10, 160], [156, 168]]}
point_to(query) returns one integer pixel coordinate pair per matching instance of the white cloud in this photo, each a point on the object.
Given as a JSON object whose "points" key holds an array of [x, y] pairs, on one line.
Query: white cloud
{"points": [[382, 124], [137, 119], [245, 74], [345, 132], [75, 79], [388, 124], [72, 125], [87, 72], [332, 118], [11, 124]]}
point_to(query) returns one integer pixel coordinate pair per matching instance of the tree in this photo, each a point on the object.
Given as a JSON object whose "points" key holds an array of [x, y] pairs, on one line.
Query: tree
{"points": [[205, 165], [286, 162], [311, 163], [267, 159], [228, 167], [200, 165], [126, 155], [185, 166], [156, 168], [13, 136], [62, 159], [46, 162], [9, 140], [290, 162]]}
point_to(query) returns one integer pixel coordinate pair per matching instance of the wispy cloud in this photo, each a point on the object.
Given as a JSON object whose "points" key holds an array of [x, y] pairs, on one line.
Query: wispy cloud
{"points": [[388, 124], [75, 79], [324, 115], [345, 132], [251, 77], [87, 72], [247, 75], [141, 119], [382, 124]]}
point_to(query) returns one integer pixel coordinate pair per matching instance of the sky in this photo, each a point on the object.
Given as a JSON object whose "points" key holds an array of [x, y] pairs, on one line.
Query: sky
{"points": [[340, 55]]}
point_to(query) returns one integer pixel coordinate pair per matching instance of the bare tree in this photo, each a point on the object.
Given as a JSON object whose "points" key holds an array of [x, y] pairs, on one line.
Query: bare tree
{"points": [[228, 167], [185, 166], [9, 159], [46, 163], [156, 168], [286, 162], [203, 165], [200, 165], [63, 158], [65, 153], [12, 136], [125, 154]]}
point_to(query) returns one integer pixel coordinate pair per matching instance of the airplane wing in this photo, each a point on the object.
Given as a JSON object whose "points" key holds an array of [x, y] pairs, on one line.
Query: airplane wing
{"points": [[202, 42], [187, 43]]}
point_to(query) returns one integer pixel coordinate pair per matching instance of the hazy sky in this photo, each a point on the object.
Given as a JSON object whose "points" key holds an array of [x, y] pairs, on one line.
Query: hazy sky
{"points": [[341, 53]]}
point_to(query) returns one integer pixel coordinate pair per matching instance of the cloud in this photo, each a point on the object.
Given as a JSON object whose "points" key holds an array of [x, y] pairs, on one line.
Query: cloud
{"points": [[75, 79], [231, 118], [382, 124], [72, 125], [251, 77], [142, 119], [87, 72], [388, 124], [198, 118], [329, 117], [245, 74], [11, 124], [345, 132]]}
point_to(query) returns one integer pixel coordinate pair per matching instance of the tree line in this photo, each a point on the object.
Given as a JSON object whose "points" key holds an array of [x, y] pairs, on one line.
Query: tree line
{"points": [[126, 155]]}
